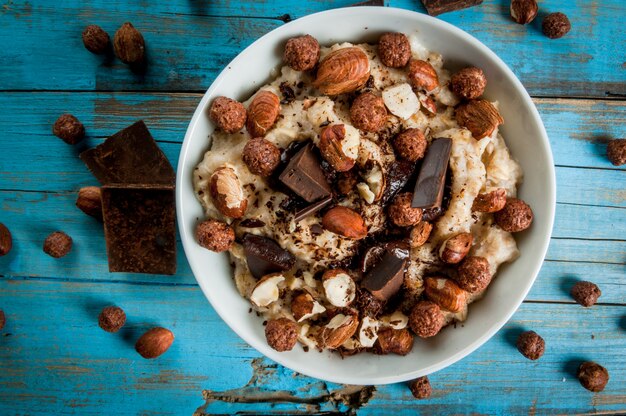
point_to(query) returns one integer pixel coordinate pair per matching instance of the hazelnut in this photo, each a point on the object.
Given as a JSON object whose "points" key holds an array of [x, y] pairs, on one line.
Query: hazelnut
{"points": [[480, 117], [492, 201], [428, 105], [367, 304], [394, 341], [401, 213], [129, 45], [585, 293], [215, 235], [57, 244], [112, 319], [593, 376], [281, 334], [95, 39], [375, 182], [227, 114], [346, 182], [6, 240], [410, 144], [531, 345], [69, 129], [227, 193], [339, 287], [345, 222], [474, 274], [154, 342], [426, 319], [515, 216], [394, 50], [343, 70], [420, 234], [420, 388], [422, 75], [445, 293], [339, 146], [368, 112], [339, 329], [302, 53], [469, 83], [266, 291], [555, 25], [261, 156], [262, 113], [303, 307], [89, 201], [3, 319], [455, 248], [524, 11], [616, 151]]}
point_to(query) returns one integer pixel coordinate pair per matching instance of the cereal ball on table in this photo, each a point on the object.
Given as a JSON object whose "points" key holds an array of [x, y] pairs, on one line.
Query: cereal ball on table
{"points": [[112, 318], [616, 152], [394, 50], [593, 376], [420, 388], [531, 345], [515, 216], [95, 39], [69, 129], [401, 213], [261, 156], [57, 244], [302, 53], [410, 145], [229, 115], [215, 235], [281, 334], [368, 112], [555, 25], [426, 319], [586, 293]]}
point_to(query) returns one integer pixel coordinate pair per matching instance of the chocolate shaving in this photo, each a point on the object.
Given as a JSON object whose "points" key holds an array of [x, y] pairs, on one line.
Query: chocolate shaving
{"points": [[252, 223], [313, 208]]}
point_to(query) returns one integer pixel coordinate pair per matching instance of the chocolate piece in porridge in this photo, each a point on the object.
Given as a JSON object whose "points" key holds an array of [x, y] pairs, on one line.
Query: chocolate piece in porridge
{"points": [[304, 176], [265, 256], [313, 208], [428, 192], [386, 278]]}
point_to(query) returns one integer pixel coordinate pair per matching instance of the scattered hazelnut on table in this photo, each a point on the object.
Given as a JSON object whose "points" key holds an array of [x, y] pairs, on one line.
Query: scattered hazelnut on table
{"points": [[524, 11], [422, 75], [3, 319], [420, 234], [57, 244], [302, 53], [490, 202], [420, 388], [394, 49], [215, 235], [129, 45], [410, 144], [394, 341], [229, 115], [89, 201], [473, 274], [516, 216], [585, 293], [593, 376], [616, 151], [6, 240], [261, 156], [455, 248], [531, 345], [154, 342], [426, 319], [368, 112], [401, 213], [281, 334], [95, 39], [69, 129], [468, 83], [555, 25], [112, 318]]}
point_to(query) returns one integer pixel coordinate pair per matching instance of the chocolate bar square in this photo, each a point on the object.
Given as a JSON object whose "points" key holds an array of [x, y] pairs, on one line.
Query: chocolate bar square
{"points": [[437, 7]]}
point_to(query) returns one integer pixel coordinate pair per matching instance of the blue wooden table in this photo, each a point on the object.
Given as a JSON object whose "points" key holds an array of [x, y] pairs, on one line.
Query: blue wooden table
{"points": [[55, 360]]}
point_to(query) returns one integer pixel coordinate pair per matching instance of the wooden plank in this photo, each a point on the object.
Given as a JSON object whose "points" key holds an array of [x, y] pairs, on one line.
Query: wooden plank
{"points": [[54, 359], [189, 44]]}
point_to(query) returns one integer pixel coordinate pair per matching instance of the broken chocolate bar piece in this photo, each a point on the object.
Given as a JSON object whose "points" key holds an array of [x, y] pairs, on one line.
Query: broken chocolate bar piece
{"points": [[140, 228], [313, 208], [398, 176], [386, 278], [265, 256], [436, 7], [431, 180], [304, 175], [129, 156]]}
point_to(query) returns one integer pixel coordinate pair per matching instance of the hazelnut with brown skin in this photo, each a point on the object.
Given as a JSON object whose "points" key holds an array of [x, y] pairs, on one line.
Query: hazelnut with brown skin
{"points": [[129, 45], [394, 50], [555, 25], [368, 112], [215, 235], [616, 151], [69, 129], [516, 216], [469, 83], [455, 248], [593, 376], [420, 388], [6, 240], [302, 53], [394, 341], [585, 293], [422, 75], [57, 244], [3, 319], [112, 318], [281, 334], [89, 201], [426, 319], [410, 144], [95, 39], [401, 213], [531, 345], [420, 234], [492, 201], [523, 11], [261, 156], [474, 274], [229, 115]]}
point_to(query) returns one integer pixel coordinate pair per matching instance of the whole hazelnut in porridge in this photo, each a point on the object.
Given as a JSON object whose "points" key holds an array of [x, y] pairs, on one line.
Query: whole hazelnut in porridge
{"points": [[365, 195]]}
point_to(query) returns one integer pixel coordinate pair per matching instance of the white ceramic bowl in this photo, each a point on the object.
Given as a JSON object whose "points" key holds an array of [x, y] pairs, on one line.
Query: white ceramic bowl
{"points": [[524, 134]]}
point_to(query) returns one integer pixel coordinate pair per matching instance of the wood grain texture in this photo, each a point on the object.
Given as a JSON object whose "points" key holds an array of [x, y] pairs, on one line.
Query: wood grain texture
{"points": [[188, 44], [54, 359]]}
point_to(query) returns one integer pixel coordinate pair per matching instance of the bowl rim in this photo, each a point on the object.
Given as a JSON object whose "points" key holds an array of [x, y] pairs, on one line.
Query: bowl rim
{"points": [[261, 346]]}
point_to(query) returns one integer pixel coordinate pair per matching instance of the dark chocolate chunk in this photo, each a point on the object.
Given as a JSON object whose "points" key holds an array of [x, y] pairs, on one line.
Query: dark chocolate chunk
{"points": [[287, 93], [431, 180], [140, 228], [316, 229], [130, 156], [265, 256], [384, 280], [436, 7], [374, 254], [313, 208], [304, 176], [252, 223], [398, 176]]}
